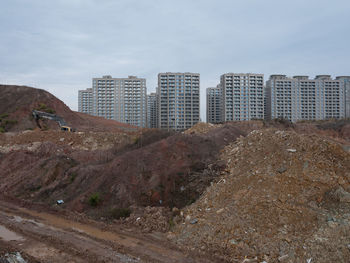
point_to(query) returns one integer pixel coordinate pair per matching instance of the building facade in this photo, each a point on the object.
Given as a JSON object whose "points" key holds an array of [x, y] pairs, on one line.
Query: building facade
{"points": [[214, 105], [85, 101], [178, 100], [120, 99], [243, 96], [301, 98], [152, 110], [346, 83]]}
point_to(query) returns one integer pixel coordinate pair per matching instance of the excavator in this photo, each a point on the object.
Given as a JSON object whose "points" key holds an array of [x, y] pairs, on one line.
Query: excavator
{"points": [[63, 125]]}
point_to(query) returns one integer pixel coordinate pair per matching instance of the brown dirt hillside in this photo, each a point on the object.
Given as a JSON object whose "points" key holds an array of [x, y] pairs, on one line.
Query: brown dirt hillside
{"points": [[284, 197], [17, 103], [170, 171]]}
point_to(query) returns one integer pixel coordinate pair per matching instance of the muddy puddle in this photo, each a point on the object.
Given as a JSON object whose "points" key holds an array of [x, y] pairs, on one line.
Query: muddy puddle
{"points": [[8, 235]]}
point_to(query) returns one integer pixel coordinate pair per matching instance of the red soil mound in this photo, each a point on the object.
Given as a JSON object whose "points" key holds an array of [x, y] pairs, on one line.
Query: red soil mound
{"points": [[18, 102]]}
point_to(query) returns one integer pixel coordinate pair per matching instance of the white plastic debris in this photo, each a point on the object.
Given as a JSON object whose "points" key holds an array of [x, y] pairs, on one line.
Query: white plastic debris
{"points": [[291, 150], [60, 202], [15, 258]]}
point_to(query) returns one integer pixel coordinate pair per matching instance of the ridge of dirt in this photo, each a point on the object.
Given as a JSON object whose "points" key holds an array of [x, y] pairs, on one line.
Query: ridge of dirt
{"points": [[164, 172]]}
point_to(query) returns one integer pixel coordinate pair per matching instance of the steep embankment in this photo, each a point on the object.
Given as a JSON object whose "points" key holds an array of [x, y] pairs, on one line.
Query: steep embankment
{"points": [[17, 103]]}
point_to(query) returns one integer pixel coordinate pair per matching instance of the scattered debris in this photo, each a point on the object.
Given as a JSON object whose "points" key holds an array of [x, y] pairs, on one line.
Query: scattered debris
{"points": [[14, 257], [275, 215], [194, 221], [149, 219]]}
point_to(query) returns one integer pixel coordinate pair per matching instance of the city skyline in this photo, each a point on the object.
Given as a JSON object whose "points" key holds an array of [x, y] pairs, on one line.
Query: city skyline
{"points": [[238, 97], [64, 44]]}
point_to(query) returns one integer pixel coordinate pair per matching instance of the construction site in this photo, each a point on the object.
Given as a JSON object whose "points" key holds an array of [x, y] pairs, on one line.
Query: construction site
{"points": [[79, 188]]}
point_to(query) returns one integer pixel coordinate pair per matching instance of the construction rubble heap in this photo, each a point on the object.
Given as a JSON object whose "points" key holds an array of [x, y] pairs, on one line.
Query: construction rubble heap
{"points": [[284, 197]]}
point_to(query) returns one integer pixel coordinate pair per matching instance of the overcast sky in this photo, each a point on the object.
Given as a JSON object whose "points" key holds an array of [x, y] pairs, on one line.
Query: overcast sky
{"points": [[61, 45]]}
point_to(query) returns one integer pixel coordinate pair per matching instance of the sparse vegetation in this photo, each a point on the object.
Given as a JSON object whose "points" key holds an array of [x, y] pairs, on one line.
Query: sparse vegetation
{"points": [[35, 188], [73, 176], [43, 107], [171, 223], [5, 123], [95, 199]]}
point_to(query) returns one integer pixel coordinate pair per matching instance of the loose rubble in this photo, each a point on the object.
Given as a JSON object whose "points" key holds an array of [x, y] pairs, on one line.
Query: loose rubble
{"points": [[149, 219], [274, 205]]}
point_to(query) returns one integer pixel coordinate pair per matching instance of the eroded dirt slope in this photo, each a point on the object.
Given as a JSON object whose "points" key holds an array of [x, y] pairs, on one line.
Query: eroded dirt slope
{"points": [[18, 102], [166, 172]]}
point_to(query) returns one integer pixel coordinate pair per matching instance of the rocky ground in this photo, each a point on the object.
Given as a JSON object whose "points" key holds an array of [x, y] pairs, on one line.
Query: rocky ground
{"points": [[284, 197], [235, 192], [31, 235], [278, 194]]}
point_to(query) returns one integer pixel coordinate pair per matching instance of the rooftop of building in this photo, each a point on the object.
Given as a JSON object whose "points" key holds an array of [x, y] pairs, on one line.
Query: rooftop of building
{"points": [[342, 77], [243, 74], [304, 77], [178, 73], [110, 77]]}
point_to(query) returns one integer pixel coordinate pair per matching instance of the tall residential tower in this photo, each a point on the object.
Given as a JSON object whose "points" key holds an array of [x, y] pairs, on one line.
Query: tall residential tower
{"points": [[301, 98], [85, 101], [243, 96], [346, 83], [120, 99], [214, 105], [178, 100], [152, 110]]}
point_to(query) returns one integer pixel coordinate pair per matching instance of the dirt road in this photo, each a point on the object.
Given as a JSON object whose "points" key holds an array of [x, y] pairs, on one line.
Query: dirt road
{"points": [[50, 238]]}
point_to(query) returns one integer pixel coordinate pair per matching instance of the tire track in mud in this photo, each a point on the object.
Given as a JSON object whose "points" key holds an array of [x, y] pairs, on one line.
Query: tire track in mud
{"points": [[70, 241]]}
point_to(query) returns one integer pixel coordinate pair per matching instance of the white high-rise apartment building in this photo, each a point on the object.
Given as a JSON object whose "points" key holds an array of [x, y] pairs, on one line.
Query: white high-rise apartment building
{"points": [[120, 99], [85, 101], [214, 105], [178, 100], [243, 96], [152, 110], [301, 98], [346, 83]]}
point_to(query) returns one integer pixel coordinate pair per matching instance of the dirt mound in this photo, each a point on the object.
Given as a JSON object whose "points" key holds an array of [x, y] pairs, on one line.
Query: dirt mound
{"points": [[283, 198], [17, 103], [201, 127], [165, 172]]}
